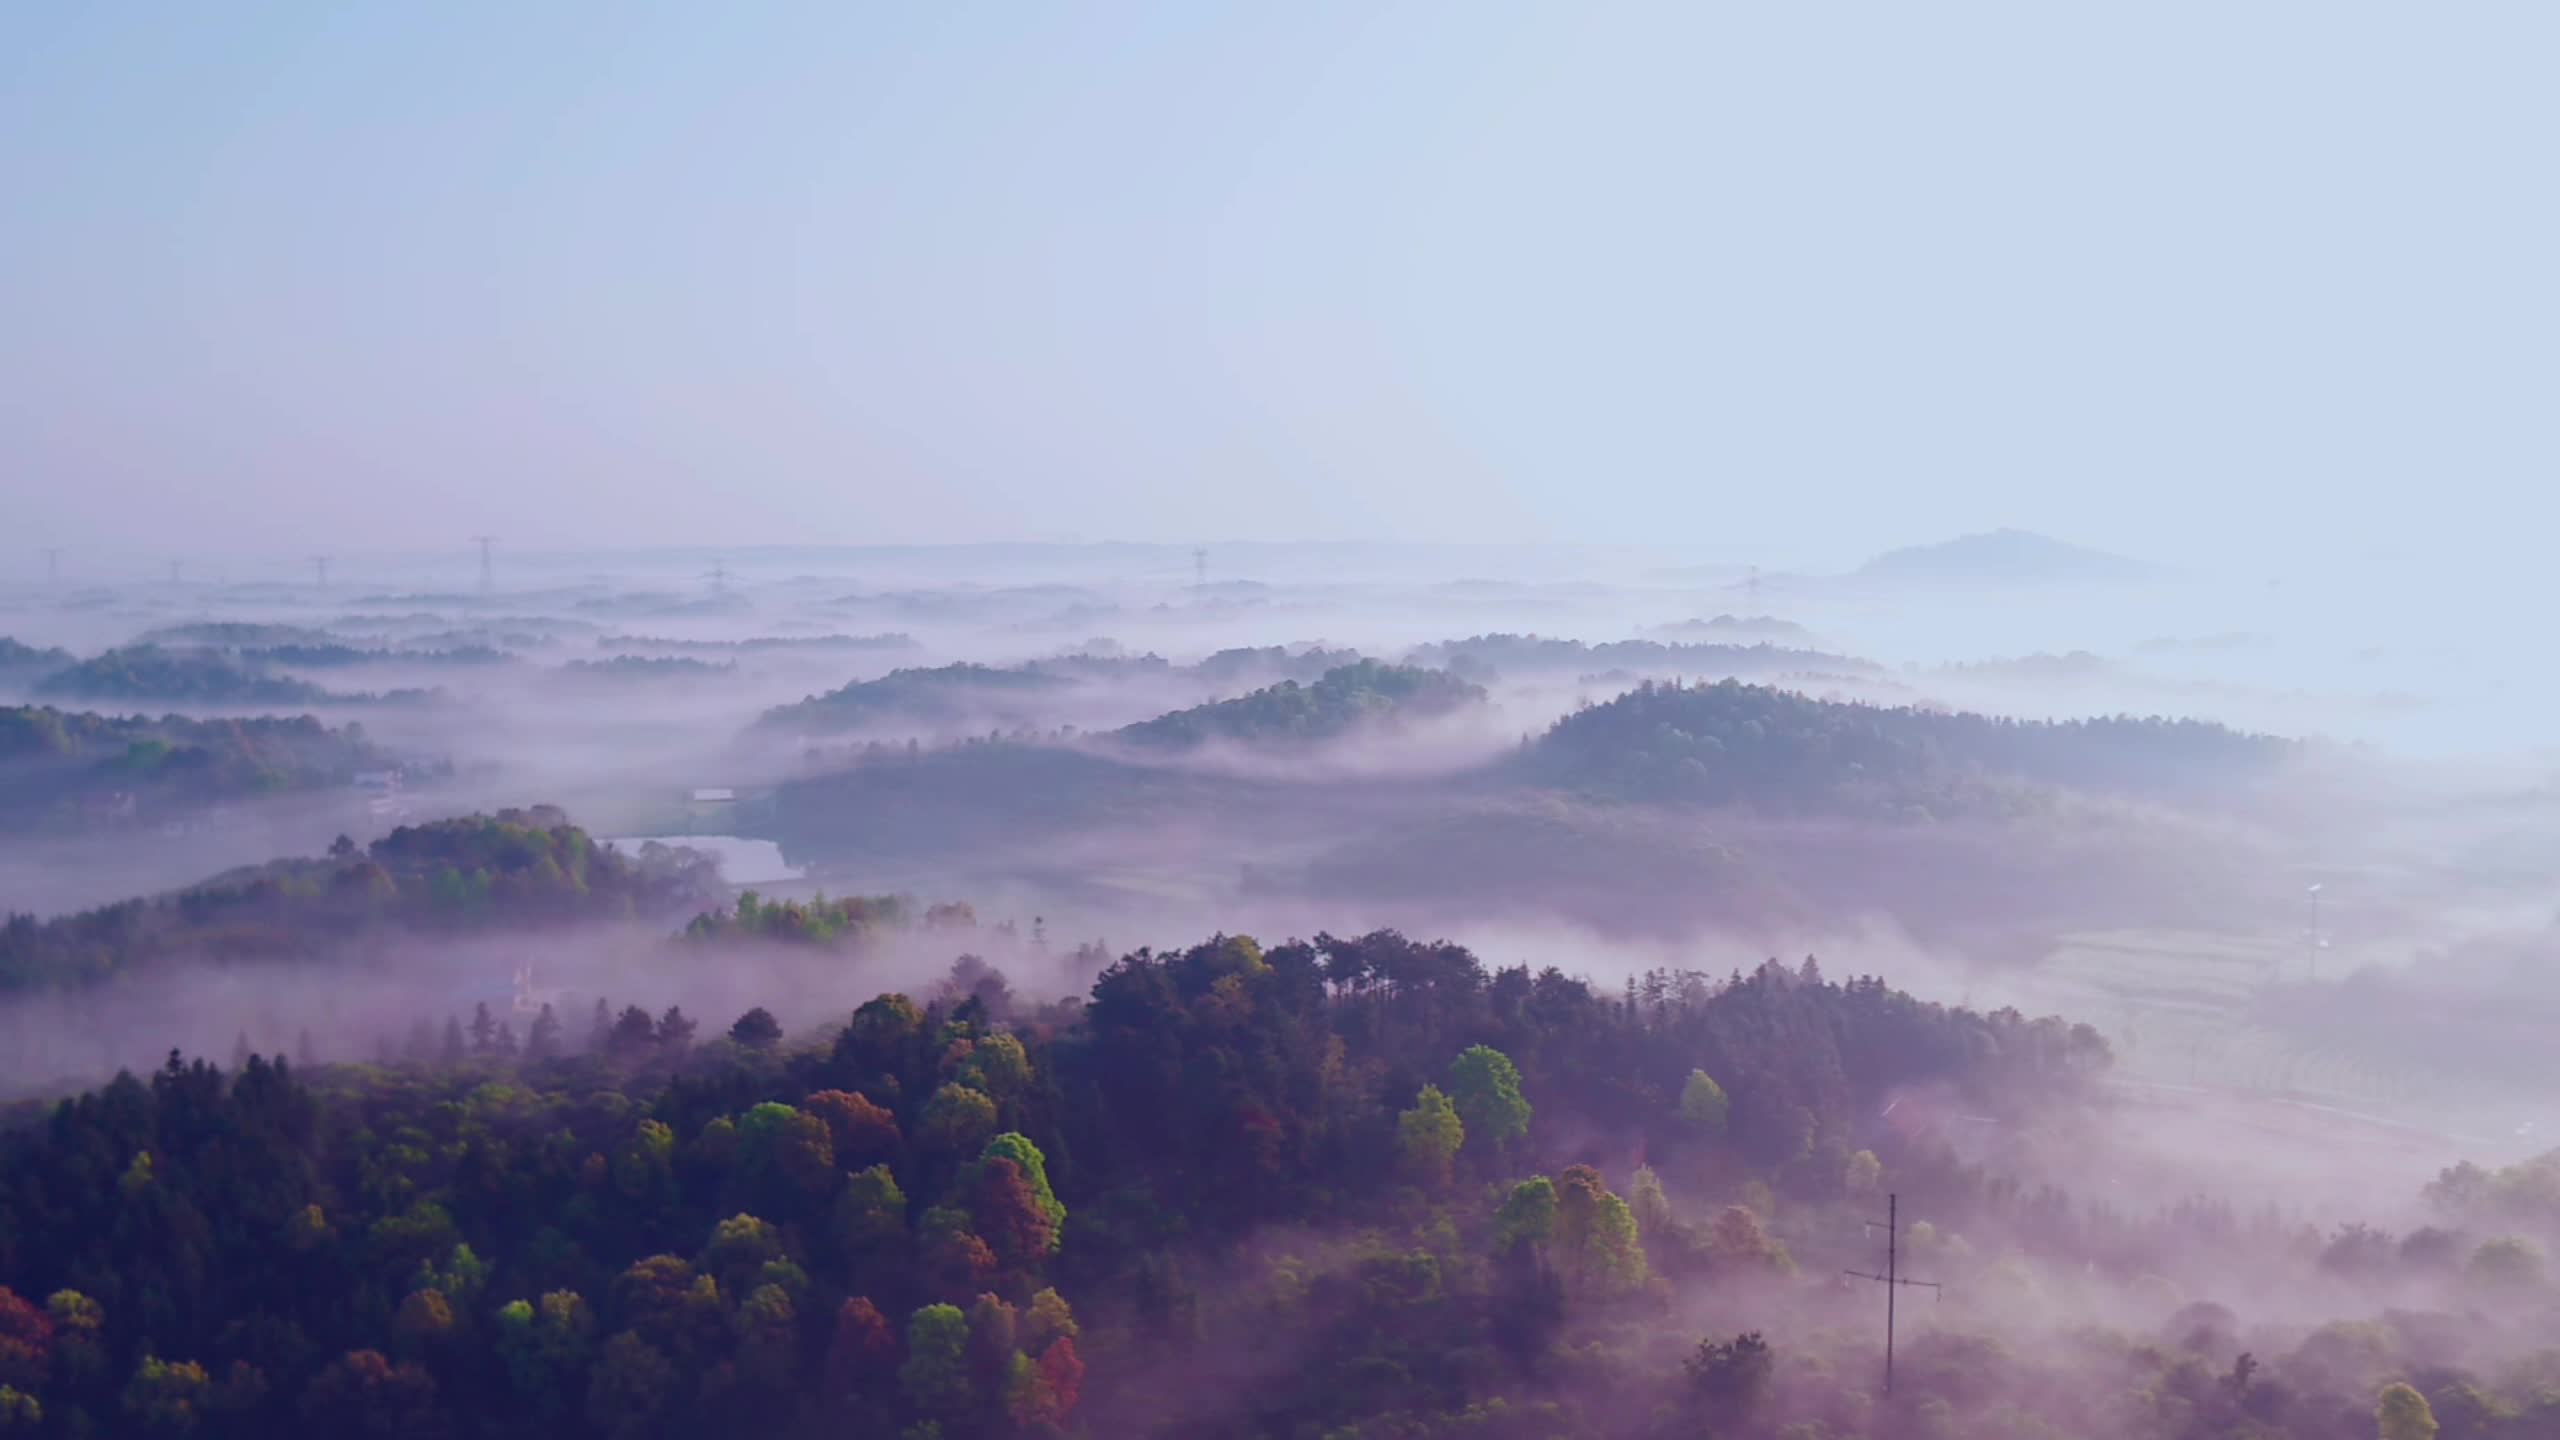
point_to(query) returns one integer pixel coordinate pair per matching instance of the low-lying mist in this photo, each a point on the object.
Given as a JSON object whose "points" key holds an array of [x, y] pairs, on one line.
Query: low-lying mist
{"points": [[2266, 857]]}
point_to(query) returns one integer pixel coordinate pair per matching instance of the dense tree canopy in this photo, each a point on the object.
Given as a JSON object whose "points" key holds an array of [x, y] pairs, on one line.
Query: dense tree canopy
{"points": [[1112, 1216], [154, 675], [514, 868], [67, 770], [1734, 744], [1353, 697]]}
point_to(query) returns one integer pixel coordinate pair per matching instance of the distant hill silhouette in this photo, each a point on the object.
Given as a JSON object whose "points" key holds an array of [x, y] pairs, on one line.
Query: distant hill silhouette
{"points": [[2004, 555]]}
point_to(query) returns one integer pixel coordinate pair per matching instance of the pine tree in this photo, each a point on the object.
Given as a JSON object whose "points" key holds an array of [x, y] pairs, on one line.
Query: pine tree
{"points": [[303, 1052], [543, 1041], [506, 1044], [675, 1030], [484, 1030], [454, 1048], [600, 1031]]}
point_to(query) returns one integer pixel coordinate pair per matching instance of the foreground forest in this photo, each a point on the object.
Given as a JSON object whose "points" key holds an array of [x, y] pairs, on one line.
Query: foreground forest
{"points": [[1351, 1187]]}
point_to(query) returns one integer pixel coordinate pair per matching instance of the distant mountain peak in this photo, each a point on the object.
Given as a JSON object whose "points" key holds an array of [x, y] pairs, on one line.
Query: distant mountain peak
{"points": [[2004, 555]]}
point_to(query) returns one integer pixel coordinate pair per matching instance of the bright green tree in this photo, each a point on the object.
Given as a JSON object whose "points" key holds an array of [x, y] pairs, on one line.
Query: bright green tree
{"points": [[1596, 1236], [1527, 1216], [1485, 1086], [956, 1120], [936, 1373], [871, 1214], [1430, 1134], [1703, 1104], [1014, 1146]]}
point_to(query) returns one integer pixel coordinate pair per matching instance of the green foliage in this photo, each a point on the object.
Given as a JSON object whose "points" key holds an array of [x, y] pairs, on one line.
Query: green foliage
{"points": [[1527, 1216], [1485, 1087], [956, 1119], [1703, 1106], [1203, 1155], [1774, 750], [943, 696], [757, 1030], [1017, 1147], [936, 1375], [1737, 1241], [1485, 655], [1652, 1206], [2509, 1263], [1430, 1134], [546, 1349], [64, 771], [996, 1067], [514, 869], [2403, 1414], [1349, 698], [153, 675], [819, 921], [1597, 1242], [166, 1398], [871, 1213]]}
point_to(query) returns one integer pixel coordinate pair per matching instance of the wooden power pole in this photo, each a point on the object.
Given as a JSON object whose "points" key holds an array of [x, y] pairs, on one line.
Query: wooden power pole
{"points": [[1891, 1279]]}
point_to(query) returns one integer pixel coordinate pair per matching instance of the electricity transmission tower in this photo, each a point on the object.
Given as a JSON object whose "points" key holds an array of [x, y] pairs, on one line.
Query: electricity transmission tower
{"points": [[1891, 1279], [1200, 567], [53, 564], [718, 575], [488, 573], [320, 571]]}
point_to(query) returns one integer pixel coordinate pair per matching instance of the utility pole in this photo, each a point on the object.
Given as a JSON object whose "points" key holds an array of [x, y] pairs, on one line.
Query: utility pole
{"points": [[1200, 567], [487, 572], [1891, 1279]]}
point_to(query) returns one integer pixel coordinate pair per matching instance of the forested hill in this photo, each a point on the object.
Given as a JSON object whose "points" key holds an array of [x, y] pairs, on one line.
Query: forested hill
{"points": [[514, 868], [1014, 697], [983, 1220], [1343, 700], [940, 695], [1773, 750], [154, 675], [62, 770], [1529, 654], [21, 661]]}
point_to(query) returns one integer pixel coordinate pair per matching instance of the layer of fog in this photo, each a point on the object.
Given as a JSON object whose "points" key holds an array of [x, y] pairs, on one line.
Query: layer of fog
{"points": [[2434, 834]]}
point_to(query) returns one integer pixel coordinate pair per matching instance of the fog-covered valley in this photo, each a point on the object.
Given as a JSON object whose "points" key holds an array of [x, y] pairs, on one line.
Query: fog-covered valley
{"points": [[2288, 900], [1316, 722]]}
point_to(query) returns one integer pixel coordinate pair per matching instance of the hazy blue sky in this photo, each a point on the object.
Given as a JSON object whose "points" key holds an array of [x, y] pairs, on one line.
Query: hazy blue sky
{"points": [[1800, 280]]}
